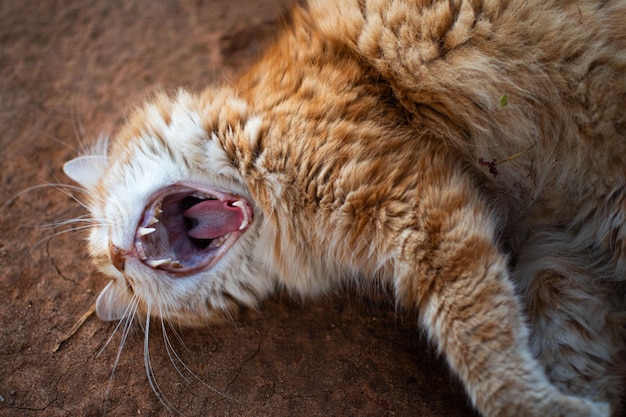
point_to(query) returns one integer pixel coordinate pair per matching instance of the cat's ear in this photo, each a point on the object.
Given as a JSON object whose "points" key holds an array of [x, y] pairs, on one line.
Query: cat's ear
{"points": [[112, 303], [86, 170]]}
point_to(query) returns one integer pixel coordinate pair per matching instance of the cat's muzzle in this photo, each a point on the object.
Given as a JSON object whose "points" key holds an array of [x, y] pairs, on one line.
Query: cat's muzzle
{"points": [[185, 228]]}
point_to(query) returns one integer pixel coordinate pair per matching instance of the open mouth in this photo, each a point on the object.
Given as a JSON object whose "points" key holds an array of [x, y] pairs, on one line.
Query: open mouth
{"points": [[186, 228]]}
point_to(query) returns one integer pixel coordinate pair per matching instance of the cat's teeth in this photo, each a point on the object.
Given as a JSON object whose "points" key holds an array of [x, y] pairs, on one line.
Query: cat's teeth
{"points": [[176, 264], [153, 263], [241, 205], [152, 221], [142, 231], [218, 242]]}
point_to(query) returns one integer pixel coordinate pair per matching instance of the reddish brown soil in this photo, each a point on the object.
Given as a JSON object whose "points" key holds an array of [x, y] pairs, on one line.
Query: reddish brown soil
{"points": [[68, 71]]}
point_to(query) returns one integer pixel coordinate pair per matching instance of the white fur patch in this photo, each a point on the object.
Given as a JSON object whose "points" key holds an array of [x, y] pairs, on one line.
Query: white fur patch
{"points": [[217, 161], [239, 106], [253, 129]]}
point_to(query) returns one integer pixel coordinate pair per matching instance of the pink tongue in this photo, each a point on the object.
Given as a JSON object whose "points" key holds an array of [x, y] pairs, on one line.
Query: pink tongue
{"points": [[214, 218]]}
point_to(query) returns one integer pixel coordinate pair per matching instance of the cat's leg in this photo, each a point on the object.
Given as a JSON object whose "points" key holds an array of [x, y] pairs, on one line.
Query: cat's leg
{"points": [[454, 273], [577, 327]]}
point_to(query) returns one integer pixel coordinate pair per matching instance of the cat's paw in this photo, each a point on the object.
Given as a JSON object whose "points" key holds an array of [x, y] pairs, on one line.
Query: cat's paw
{"points": [[568, 406], [552, 404]]}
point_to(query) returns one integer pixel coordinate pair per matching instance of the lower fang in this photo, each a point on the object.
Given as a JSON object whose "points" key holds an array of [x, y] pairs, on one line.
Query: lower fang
{"points": [[154, 263], [142, 231]]}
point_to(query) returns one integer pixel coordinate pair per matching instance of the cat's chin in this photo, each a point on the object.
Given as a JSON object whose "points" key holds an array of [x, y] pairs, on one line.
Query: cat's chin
{"points": [[188, 227]]}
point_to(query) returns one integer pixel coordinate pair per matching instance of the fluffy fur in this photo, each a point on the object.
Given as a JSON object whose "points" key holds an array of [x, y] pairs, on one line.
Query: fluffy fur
{"points": [[469, 154]]}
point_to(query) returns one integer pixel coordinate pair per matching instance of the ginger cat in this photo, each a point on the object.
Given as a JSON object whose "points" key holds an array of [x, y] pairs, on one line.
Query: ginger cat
{"points": [[469, 154]]}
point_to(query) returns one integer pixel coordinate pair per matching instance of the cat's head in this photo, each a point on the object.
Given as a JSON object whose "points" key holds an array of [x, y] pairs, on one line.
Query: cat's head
{"points": [[177, 228]]}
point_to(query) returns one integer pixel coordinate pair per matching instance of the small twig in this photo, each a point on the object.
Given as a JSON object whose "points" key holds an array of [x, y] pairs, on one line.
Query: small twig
{"points": [[75, 327], [517, 155], [580, 14], [494, 162]]}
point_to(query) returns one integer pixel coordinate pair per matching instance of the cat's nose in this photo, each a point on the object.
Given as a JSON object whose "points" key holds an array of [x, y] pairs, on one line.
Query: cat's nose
{"points": [[118, 257]]}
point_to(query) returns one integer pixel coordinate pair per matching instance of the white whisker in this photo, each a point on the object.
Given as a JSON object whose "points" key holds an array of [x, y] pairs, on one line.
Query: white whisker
{"points": [[77, 125], [54, 138], [64, 189], [81, 219], [57, 186], [171, 353], [177, 335], [129, 316], [174, 357], [47, 238], [150, 371], [231, 318]]}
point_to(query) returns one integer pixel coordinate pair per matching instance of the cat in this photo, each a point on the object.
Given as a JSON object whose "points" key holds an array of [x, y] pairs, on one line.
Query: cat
{"points": [[470, 155]]}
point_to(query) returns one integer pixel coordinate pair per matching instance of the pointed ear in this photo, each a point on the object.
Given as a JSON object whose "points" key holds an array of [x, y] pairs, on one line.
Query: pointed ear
{"points": [[86, 170], [112, 303]]}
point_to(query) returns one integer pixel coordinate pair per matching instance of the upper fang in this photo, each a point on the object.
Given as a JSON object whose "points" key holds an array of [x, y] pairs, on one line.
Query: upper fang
{"points": [[241, 206]]}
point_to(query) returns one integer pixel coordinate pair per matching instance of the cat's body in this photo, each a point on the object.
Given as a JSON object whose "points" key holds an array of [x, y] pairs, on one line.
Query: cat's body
{"points": [[372, 142]]}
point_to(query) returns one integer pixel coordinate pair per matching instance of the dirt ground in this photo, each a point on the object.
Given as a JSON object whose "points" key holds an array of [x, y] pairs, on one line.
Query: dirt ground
{"points": [[69, 71]]}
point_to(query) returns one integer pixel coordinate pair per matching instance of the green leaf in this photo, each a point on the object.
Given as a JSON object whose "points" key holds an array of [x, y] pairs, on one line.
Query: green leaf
{"points": [[504, 100]]}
